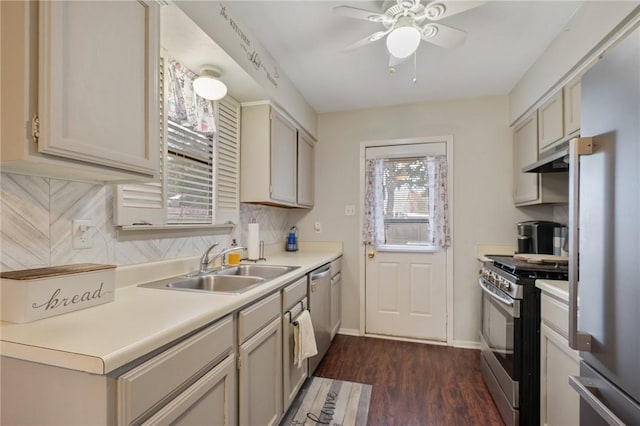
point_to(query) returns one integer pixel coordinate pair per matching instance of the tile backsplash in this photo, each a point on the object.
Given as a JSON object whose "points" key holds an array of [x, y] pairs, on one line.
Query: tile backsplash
{"points": [[36, 216]]}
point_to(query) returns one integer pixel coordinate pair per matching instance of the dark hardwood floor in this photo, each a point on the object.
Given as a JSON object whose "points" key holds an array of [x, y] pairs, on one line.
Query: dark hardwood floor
{"points": [[413, 383]]}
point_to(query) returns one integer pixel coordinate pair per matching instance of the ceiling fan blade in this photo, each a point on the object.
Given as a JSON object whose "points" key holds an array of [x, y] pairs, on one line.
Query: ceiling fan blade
{"points": [[437, 10], [393, 61], [443, 35], [354, 12], [369, 39]]}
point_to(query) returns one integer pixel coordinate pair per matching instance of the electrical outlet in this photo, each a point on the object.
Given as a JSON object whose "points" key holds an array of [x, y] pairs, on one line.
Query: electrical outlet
{"points": [[350, 210], [80, 233], [318, 227]]}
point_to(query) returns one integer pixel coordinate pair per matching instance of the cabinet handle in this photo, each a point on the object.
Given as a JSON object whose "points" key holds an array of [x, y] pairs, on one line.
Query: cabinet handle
{"points": [[371, 254]]}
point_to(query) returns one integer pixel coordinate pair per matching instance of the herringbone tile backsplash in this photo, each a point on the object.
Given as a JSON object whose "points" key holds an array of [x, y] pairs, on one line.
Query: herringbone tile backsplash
{"points": [[36, 217]]}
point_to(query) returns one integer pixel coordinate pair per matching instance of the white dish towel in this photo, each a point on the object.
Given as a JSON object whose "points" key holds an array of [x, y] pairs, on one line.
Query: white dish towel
{"points": [[303, 338]]}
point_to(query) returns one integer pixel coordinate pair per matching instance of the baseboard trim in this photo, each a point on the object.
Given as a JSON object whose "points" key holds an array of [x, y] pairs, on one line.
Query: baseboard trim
{"points": [[349, 331], [462, 344], [466, 344]]}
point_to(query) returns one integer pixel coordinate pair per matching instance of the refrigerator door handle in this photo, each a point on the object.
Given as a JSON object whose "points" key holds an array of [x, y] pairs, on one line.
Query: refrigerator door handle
{"points": [[588, 393], [577, 147]]}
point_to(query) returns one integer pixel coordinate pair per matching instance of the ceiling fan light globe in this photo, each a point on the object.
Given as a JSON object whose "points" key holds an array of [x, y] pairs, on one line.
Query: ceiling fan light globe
{"points": [[403, 41]]}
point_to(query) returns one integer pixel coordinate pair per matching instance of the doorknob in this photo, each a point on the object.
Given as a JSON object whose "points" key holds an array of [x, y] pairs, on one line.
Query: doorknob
{"points": [[371, 254]]}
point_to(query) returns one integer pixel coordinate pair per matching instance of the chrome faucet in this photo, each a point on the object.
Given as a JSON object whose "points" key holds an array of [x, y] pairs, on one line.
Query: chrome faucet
{"points": [[204, 260]]}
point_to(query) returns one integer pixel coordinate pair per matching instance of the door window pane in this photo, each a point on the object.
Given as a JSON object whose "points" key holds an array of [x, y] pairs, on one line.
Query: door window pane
{"points": [[406, 201]]}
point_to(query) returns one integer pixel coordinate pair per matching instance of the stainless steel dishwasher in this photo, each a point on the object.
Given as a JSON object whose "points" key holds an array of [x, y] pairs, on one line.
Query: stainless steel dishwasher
{"points": [[320, 309]]}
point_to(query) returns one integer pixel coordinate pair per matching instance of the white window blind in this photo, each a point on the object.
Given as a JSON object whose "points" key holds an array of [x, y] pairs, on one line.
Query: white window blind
{"points": [[190, 178], [145, 203], [199, 173], [228, 168]]}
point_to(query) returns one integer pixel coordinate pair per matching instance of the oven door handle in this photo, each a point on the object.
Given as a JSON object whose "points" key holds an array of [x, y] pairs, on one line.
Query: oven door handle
{"points": [[503, 300]]}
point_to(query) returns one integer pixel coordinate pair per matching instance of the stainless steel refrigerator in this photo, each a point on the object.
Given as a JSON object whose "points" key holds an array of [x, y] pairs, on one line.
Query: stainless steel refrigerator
{"points": [[604, 221]]}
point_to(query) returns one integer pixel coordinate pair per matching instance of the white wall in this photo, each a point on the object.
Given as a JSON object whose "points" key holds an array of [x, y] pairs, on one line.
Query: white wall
{"points": [[483, 210], [591, 24]]}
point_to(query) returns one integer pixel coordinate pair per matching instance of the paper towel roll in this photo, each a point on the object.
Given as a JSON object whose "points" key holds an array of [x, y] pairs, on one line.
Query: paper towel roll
{"points": [[253, 241]]}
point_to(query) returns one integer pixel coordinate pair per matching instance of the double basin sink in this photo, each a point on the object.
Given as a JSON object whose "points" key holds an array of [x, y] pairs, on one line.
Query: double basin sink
{"points": [[229, 280]]}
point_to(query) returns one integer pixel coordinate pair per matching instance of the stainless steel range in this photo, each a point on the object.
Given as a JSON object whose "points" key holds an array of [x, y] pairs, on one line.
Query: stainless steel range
{"points": [[510, 334]]}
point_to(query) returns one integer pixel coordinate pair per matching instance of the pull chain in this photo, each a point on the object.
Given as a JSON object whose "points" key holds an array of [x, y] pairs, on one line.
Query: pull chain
{"points": [[415, 78]]}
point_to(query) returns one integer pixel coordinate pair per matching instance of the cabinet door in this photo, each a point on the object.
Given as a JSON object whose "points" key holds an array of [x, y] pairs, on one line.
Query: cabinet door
{"points": [[525, 152], [260, 377], [550, 122], [559, 403], [284, 140], [98, 82], [209, 401], [572, 99], [305, 170]]}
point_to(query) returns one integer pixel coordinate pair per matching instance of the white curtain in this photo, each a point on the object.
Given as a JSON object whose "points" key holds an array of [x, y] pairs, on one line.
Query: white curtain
{"points": [[183, 105], [438, 201], [373, 232]]}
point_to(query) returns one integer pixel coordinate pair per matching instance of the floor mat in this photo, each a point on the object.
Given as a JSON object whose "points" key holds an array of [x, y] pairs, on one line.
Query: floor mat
{"points": [[329, 402]]}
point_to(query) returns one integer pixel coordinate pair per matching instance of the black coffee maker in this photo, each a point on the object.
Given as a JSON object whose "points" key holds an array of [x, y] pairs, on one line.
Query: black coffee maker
{"points": [[536, 236]]}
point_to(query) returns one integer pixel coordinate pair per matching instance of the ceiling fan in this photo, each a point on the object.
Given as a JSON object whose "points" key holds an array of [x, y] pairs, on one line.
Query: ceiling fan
{"points": [[407, 22]]}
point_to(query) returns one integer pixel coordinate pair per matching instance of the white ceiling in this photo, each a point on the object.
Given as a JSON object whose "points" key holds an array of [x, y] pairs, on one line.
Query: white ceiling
{"points": [[305, 37]]}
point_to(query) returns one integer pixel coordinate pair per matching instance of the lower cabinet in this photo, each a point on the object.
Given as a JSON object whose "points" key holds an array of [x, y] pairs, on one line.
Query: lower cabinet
{"points": [[211, 400], [187, 381], [260, 363], [559, 403]]}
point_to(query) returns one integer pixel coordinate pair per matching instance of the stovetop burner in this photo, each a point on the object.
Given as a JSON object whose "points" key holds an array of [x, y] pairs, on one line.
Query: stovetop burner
{"points": [[519, 267]]}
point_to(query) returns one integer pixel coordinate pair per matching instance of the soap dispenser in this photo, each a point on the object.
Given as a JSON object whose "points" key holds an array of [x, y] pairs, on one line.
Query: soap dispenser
{"points": [[292, 239]]}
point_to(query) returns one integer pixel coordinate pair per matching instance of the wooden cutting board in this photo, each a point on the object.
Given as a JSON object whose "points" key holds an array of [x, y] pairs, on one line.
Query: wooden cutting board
{"points": [[540, 258], [54, 271]]}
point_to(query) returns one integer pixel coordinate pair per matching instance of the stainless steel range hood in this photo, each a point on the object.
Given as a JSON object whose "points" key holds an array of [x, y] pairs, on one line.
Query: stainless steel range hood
{"points": [[556, 161]]}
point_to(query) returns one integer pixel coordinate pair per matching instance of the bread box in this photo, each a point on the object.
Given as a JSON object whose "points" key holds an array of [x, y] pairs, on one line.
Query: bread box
{"points": [[33, 294]]}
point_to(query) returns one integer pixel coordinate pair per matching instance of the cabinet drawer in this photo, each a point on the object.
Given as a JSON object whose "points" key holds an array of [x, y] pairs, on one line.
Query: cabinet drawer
{"points": [[555, 314], [253, 318], [293, 293], [149, 383], [336, 266]]}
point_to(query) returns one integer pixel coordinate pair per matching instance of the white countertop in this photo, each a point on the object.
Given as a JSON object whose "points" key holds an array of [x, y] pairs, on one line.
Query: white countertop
{"points": [[556, 288], [140, 320]]}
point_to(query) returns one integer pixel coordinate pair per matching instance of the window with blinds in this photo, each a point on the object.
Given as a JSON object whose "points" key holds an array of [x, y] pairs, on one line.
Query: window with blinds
{"points": [[199, 172], [406, 201], [190, 178]]}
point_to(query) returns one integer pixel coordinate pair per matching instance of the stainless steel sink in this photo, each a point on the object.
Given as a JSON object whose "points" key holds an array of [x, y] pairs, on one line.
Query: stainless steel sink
{"points": [[212, 283], [263, 271], [231, 280]]}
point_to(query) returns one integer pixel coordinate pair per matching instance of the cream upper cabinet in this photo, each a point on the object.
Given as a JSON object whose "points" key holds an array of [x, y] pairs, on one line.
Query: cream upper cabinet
{"points": [[559, 117], [80, 89], [270, 159], [525, 152], [572, 98], [550, 122], [306, 160], [533, 188], [284, 169]]}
